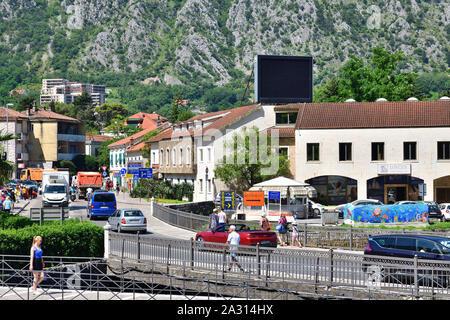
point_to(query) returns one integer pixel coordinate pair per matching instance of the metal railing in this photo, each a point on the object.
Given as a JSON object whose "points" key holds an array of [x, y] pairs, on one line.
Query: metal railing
{"points": [[355, 274], [44, 214], [311, 236]]}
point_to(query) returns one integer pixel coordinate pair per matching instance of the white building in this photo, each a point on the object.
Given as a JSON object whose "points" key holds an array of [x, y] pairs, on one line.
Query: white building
{"points": [[378, 150]]}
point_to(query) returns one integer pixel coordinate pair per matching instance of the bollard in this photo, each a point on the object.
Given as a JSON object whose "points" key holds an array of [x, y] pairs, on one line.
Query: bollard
{"points": [[106, 229], [258, 259]]}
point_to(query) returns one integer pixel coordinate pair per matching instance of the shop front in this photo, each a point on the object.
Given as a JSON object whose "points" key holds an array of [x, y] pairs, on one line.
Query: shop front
{"points": [[392, 188], [334, 190]]}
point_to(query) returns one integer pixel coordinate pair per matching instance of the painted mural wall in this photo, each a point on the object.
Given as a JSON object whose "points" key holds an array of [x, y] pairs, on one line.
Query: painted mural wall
{"points": [[387, 213]]}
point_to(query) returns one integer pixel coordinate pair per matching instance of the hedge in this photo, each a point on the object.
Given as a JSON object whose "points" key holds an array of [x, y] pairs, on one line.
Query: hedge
{"points": [[72, 239]]}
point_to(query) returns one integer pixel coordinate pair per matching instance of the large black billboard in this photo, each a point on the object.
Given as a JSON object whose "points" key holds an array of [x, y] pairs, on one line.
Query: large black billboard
{"points": [[283, 79]]}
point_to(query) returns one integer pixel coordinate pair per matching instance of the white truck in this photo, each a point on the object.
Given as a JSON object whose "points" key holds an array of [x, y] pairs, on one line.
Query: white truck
{"points": [[55, 189]]}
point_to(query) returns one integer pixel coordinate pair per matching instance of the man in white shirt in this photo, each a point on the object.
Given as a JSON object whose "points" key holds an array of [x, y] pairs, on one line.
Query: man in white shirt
{"points": [[233, 240], [222, 218], [89, 193]]}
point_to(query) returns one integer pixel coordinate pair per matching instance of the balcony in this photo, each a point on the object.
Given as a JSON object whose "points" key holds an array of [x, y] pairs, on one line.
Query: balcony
{"points": [[71, 137]]}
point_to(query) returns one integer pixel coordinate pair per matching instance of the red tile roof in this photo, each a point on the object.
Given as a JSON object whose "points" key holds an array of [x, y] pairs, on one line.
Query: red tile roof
{"points": [[41, 114], [147, 120], [373, 114], [137, 147], [98, 138], [128, 139], [12, 114]]}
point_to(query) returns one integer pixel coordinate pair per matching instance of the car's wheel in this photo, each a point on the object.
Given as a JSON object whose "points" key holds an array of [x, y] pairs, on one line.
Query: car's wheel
{"points": [[316, 213]]}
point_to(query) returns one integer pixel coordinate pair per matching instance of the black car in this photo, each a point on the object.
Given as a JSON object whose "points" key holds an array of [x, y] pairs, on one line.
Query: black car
{"points": [[407, 246], [434, 212]]}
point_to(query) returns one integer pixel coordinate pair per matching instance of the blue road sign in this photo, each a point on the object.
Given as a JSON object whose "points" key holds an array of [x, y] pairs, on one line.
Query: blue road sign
{"points": [[134, 168], [123, 171], [104, 173], [228, 200], [146, 173], [135, 177], [274, 195]]}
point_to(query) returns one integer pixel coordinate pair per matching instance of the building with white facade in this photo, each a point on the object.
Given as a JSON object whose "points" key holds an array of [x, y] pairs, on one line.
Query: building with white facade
{"points": [[64, 91], [378, 150]]}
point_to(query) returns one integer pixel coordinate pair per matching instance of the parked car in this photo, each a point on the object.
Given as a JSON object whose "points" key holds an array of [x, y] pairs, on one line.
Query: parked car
{"points": [[406, 246], [128, 220], [248, 237], [434, 212], [363, 202], [406, 202], [317, 208], [445, 210], [102, 204]]}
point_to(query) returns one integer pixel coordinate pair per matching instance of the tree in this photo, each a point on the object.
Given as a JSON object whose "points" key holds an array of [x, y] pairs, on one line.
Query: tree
{"points": [[380, 77], [261, 162], [109, 111]]}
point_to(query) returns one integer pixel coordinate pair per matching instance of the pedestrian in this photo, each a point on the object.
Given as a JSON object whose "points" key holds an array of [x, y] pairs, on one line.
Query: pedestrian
{"points": [[214, 220], [24, 193], [89, 193], [282, 229], [8, 205], [17, 193], [233, 240], [295, 235], [222, 218], [36, 262], [117, 188], [264, 222]]}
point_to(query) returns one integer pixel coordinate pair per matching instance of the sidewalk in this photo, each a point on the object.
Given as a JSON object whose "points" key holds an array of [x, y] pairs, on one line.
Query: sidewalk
{"points": [[154, 225], [20, 206]]}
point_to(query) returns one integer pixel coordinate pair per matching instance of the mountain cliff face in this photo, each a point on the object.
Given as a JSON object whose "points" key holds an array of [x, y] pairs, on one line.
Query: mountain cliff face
{"points": [[213, 40]]}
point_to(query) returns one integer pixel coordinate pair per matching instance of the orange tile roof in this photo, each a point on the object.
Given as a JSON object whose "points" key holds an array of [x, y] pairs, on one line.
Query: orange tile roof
{"points": [[41, 114], [128, 139], [137, 147], [12, 114], [373, 115], [99, 138]]}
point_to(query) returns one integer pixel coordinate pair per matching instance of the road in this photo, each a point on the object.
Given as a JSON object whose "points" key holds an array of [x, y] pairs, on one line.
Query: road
{"points": [[155, 227]]}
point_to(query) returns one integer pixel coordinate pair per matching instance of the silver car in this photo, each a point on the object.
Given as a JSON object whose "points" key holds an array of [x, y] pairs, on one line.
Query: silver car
{"points": [[128, 220]]}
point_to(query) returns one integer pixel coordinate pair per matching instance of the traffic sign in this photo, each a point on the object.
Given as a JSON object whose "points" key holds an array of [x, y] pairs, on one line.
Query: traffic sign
{"points": [[274, 195], [123, 171], [228, 200], [135, 177], [104, 173], [253, 198], [146, 173], [134, 168], [104, 168]]}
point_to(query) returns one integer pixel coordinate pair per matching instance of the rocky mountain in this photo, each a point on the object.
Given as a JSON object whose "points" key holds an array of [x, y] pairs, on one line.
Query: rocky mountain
{"points": [[209, 40]]}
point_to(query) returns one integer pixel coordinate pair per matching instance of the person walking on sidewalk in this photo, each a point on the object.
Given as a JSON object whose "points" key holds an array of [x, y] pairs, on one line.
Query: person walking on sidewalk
{"points": [[295, 235], [222, 218], [282, 229], [8, 205], [264, 222], [214, 220], [36, 262], [233, 240]]}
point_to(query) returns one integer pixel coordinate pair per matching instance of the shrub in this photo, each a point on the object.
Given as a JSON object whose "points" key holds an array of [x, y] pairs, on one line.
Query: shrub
{"points": [[73, 238]]}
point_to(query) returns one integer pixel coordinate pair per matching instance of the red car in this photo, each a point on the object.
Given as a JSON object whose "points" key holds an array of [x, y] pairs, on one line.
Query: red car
{"points": [[248, 237]]}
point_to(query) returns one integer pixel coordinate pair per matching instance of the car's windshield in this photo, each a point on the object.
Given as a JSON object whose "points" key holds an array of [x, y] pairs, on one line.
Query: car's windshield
{"points": [[55, 189], [104, 197], [132, 213]]}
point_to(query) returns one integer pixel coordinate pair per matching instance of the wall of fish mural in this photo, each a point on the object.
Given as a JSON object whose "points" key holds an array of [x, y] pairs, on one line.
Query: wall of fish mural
{"points": [[387, 213]]}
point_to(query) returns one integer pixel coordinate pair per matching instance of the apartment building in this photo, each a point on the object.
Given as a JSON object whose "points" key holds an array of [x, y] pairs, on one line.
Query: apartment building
{"points": [[16, 150], [64, 91], [378, 150], [52, 137]]}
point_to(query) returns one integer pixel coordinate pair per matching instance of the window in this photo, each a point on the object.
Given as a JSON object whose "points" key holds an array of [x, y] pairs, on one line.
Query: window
{"points": [[200, 182], [406, 244], [161, 157], [345, 152], [209, 186], [386, 242], [377, 151], [409, 150], [153, 157], [188, 155], [201, 155], [181, 156], [426, 246], [444, 150], [312, 150], [283, 151], [286, 117], [209, 154], [167, 157], [174, 156], [104, 197]]}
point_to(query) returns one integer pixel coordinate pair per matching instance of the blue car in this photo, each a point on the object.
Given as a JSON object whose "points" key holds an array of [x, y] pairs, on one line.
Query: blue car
{"points": [[382, 250], [102, 204]]}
